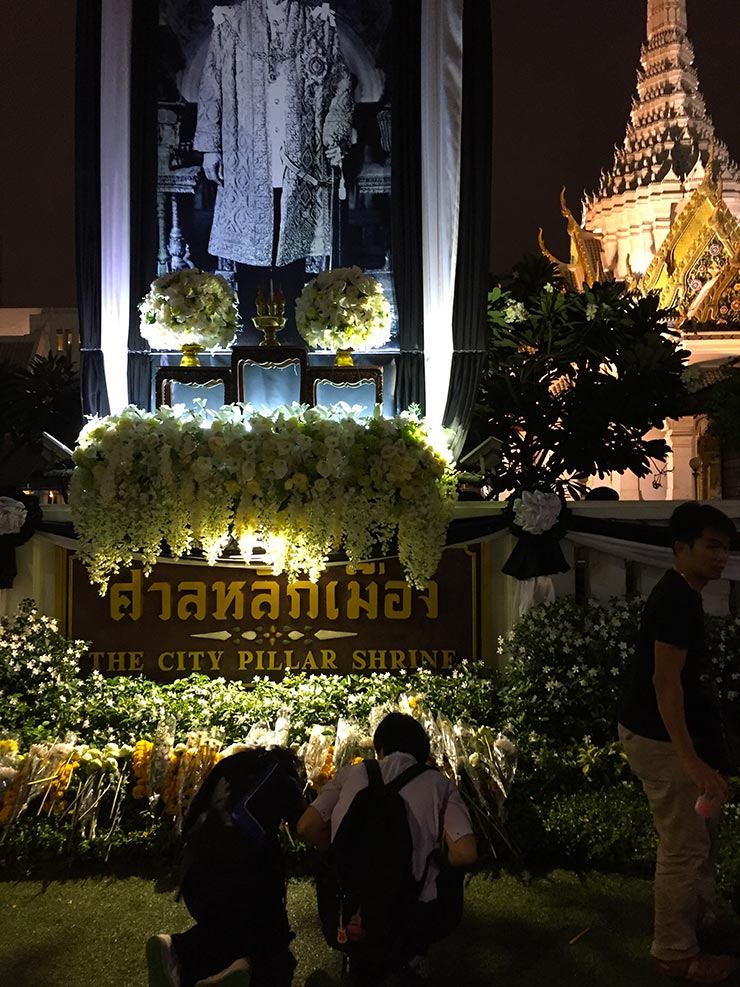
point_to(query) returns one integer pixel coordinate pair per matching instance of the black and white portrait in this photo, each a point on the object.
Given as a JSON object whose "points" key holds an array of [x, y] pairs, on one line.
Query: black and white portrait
{"points": [[274, 139]]}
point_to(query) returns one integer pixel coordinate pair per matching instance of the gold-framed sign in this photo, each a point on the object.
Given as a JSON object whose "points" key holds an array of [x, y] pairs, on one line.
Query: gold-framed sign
{"points": [[238, 622]]}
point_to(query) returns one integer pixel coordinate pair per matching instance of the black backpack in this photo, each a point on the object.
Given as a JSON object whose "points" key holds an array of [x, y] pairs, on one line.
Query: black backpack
{"points": [[366, 888]]}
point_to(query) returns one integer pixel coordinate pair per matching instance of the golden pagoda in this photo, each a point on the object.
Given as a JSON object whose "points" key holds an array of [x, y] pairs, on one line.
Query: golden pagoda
{"points": [[666, 217]]}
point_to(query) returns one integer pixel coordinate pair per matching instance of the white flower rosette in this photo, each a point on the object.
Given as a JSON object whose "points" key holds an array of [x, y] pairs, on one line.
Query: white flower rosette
{"points": [[343, 309], [536, 512], [12, 516], [189, 307]]}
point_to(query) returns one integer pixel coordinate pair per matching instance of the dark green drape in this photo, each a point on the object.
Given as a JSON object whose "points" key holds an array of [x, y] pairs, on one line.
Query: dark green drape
{"points": [[405, 67], [87, 206], [471, 278], [144, 57]]}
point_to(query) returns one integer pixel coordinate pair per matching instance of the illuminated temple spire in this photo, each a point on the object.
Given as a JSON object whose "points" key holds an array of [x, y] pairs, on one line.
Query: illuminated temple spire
{"points": [[668, 143]]}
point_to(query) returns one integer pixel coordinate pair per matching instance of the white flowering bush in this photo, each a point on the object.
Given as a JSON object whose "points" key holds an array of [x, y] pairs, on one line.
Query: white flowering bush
{"points": [[189, 307], [343, 309], [305, 481], [563, 677], [38, 668]]}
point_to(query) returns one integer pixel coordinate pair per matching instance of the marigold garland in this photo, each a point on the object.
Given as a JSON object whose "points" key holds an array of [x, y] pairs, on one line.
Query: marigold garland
{"points": [[142, 758]]}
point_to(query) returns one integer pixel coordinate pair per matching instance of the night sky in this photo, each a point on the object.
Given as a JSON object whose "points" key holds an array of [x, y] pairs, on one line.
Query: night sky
{"points": [[564, 75]]}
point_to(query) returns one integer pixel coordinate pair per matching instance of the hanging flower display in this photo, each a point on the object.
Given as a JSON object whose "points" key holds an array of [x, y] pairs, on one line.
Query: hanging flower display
{"points": [[304, 481]]}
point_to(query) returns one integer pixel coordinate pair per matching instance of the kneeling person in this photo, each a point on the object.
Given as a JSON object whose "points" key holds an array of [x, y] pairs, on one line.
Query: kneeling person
{"points": [[234, 879], [399, 836]]}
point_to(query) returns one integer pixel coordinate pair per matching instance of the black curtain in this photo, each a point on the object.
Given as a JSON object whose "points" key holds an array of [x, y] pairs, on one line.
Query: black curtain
{"points": [[405, 81], [144, 55], [87, 206], [471, 278]]}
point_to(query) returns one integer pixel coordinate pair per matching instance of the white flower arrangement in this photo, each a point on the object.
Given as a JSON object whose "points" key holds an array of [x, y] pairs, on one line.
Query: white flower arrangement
{"points": [[306, 481], [536, 512], [343, 309], [189, 307]]}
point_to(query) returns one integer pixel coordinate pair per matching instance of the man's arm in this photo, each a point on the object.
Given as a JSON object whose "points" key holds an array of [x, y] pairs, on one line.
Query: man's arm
{"points": [[313, 829], [669, 662], [462, 852]]}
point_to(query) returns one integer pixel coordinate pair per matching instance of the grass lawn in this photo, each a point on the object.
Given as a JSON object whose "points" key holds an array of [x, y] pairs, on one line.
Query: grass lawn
{"points": [[91, 932]]}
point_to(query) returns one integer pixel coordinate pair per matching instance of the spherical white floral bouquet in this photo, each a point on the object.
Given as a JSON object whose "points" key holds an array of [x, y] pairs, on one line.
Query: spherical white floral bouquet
{"points": [[343, 309], [189, 307]]}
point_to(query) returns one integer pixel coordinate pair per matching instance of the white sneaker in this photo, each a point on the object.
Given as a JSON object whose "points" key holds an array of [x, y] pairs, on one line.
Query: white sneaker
{"points": [[236, 975], [161, 961]]}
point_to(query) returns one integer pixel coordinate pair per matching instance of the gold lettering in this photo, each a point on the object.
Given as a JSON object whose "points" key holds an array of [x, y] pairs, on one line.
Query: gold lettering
{"points": [[430, 659], [332, 610], [271, 666], [328, 660], [193, 603], [398, 659], [215, 659], [397, 604], [97, 657], [136, 661], [195, 657], [117, 661], [165, 656], [447, 659], [431, 600], [245, 658], [289, 666], [355, 602], [376, 660], [125, 598], [165, 599], [366, 568], [294, 590], [358, 661], [228, 596], [266, 604], [310, 662]]}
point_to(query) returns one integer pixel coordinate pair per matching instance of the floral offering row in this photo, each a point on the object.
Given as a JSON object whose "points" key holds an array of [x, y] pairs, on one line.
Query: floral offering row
{"points": [[303, 482]]}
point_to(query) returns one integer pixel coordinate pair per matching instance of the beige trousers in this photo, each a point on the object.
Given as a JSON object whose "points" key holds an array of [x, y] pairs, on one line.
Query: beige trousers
{"points": [[686, 861]]}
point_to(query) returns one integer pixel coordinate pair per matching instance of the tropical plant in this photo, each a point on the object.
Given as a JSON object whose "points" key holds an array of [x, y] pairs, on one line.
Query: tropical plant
{"points": [[45, 397], [574, 380]]}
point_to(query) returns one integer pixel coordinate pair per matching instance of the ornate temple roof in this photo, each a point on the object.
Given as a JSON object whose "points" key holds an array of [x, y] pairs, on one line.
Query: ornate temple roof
{"points": [[669, 134]]}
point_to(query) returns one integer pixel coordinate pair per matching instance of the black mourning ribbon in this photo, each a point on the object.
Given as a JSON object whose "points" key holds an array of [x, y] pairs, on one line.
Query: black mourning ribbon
{"points": [[535, 555]]}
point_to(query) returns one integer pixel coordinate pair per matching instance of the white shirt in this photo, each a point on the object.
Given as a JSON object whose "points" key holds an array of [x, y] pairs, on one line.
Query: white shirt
{"points": [[433, 804]]}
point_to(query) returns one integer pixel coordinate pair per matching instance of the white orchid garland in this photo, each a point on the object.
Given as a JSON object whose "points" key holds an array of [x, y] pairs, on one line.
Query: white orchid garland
{"points": [[343, 309], [308, 481], [189, 307]]}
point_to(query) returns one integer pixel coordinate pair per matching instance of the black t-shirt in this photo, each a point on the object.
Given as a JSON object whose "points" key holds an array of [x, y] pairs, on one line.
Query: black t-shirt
{"points": [[674, 615]]}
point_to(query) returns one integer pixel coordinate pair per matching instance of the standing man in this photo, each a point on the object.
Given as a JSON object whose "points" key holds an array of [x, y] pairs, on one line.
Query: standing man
{"points": [[439, 827], [670, 731], [274, 120]]}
